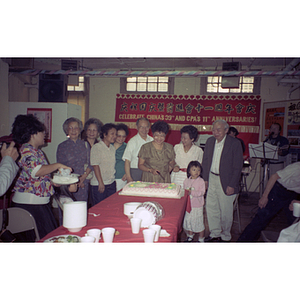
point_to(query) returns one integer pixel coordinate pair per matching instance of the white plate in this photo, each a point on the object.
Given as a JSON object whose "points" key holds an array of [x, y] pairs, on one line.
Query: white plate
{"points": [[147, 217], [164, 233], [63, 239], [72, 179]]}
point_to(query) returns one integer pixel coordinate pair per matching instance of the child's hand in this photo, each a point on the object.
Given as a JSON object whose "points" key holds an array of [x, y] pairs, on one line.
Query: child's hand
{"points": [[189, 191], [176, 169]]}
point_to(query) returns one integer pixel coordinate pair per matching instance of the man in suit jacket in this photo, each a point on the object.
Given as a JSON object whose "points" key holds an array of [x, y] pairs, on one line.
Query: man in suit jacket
{"points": [[222, 165]]}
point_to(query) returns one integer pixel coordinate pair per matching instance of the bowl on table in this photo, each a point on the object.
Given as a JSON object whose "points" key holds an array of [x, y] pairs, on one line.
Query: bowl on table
{"points": [[130, 207], [150, 212]]}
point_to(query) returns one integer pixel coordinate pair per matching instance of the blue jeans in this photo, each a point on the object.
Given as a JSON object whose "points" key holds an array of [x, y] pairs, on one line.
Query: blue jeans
{"points": [[97, 197], [281, 200]]}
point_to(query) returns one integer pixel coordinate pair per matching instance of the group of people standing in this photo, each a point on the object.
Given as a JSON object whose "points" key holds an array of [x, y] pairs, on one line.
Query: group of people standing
{"points": [[105, 163], [152, 159], [96, 155], [33, 187]]}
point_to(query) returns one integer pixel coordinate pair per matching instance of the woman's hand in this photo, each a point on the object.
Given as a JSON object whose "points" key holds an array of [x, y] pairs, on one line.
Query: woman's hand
{"points": [[47, 169], [154, 171], [81, 181], [101, 187]]}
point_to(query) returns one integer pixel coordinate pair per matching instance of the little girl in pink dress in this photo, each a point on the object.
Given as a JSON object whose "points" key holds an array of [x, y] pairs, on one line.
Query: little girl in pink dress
{"points": [[193, 219]]}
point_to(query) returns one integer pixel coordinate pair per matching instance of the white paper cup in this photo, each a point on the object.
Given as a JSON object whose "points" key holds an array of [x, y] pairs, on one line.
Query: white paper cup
{"points": [[135, 225], [94, 233], [296, 209], [148, 235], [108, 234], [157, 229], [88, 239]]}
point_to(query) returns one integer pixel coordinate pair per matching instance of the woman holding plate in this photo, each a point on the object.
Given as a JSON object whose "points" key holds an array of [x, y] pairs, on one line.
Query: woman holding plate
{"points": [[157, 158], [74, 153], [33, 187]]}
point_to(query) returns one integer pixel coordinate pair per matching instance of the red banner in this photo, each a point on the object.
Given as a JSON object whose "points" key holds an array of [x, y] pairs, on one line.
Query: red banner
{"points": [[240, 111]]}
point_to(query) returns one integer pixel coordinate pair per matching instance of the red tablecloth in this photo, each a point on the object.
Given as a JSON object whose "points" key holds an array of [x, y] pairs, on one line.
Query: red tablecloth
{"points": [[111, 215]]}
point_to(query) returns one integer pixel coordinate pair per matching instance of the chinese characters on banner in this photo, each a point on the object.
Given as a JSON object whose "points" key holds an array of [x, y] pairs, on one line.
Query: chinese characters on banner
{"points": [[240, 111]]}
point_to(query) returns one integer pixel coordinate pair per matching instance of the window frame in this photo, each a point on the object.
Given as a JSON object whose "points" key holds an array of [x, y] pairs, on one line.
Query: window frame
{"points": [[123, 84], [256, 87], [77, 86]]}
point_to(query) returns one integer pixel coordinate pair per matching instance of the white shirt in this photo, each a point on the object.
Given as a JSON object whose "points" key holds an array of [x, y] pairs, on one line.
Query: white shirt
{"points": [[290, 177], [215, 164], [8, 172], [133, 147], [105, 158], [183, 158]]}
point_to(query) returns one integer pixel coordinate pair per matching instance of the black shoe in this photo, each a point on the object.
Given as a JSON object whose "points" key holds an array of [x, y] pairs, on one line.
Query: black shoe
{"points": [[212, 239], [225, 241], [188, 240]]}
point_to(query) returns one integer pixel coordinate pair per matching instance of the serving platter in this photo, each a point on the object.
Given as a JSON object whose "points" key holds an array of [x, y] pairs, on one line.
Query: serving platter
{"points": [[66, 180], [67, 238]]}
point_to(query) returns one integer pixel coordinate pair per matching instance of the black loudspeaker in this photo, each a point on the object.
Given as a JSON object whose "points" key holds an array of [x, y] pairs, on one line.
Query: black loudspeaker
{"points": [[53, 88]]}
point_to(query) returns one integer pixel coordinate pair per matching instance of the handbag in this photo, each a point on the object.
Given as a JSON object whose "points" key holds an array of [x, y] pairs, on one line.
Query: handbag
{"points": [[90, 176]]}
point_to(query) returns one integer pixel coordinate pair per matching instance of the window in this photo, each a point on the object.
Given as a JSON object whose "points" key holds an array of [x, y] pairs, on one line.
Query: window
{"points": [[79, 87], [151, 84], [246, 85]]}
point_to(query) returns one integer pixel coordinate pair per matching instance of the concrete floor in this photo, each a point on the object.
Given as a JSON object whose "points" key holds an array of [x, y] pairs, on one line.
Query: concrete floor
{"points": [[248, 207]]}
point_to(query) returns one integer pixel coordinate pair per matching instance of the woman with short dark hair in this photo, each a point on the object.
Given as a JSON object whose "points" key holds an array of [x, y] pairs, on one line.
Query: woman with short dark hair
{"points": [[33, 187], [185, 152], [91, 131], [120, 145], [90, 135], [103, 161], [157, 158]]}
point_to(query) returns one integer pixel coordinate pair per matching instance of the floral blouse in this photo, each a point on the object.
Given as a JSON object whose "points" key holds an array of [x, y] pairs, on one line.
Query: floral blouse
{"points": [[30, 162]]}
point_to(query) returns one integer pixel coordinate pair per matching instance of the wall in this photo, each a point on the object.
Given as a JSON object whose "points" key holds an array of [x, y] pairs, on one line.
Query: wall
{"points": [[60, 112], [187, 86], [4, 109], [103, 93], [103, 98]]}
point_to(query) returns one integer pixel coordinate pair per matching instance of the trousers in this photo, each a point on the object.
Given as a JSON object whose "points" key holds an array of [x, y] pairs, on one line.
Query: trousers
{"points": [[97, 197], [278, 198], [219, 208]]}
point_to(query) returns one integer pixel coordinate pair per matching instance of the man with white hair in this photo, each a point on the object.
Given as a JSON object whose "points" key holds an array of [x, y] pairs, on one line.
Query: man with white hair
{"points": [[222, 166]]}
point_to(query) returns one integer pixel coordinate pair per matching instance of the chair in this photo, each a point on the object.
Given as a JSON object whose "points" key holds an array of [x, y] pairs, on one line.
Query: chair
{"points": [[237, 210], [243, 181], [20, 220]]}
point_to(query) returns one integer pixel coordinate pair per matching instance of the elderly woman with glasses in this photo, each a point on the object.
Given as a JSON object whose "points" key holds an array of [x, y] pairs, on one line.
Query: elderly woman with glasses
{"points": [[73, 152]]}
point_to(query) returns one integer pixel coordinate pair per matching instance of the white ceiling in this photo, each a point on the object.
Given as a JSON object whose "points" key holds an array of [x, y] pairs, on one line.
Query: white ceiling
{"points": [[181, 63]]}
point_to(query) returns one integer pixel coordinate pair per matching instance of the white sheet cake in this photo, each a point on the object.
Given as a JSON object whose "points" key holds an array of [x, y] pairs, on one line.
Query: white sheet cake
{"points": [[151, 189]]}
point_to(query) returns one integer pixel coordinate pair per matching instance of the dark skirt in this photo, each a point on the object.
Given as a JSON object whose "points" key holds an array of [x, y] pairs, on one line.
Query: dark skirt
{"points": [[43, 215]]}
